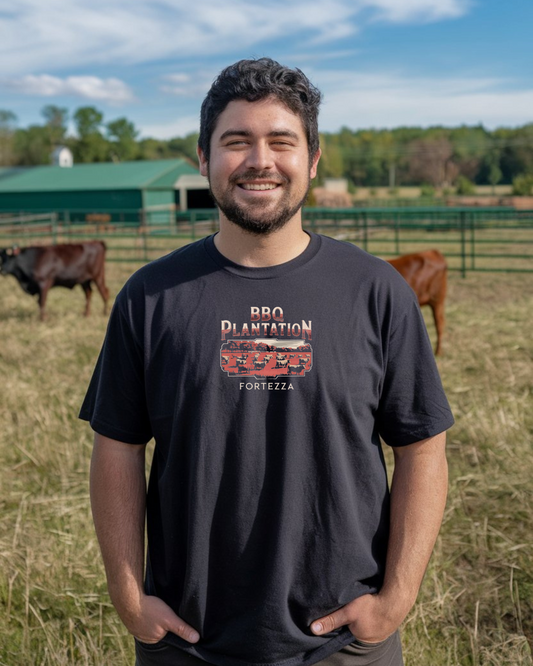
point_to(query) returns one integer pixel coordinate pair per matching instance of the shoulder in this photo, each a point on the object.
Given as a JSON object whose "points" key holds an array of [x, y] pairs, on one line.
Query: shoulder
{"points": [[354, 265], [178, 267]]}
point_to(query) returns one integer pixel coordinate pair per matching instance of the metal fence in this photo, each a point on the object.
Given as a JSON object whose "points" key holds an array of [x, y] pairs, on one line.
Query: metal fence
{"points": [[472, 239]]}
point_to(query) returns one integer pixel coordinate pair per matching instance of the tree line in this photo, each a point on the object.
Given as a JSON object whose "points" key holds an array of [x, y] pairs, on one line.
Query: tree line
{"points": [[437, 157]]}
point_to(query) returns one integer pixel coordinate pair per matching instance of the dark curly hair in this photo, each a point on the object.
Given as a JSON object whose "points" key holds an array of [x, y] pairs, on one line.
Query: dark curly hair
{"points": [[253, 80]]}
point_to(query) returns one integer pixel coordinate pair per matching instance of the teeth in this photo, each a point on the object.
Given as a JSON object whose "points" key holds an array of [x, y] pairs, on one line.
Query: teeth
{"points": [[262, 186]]}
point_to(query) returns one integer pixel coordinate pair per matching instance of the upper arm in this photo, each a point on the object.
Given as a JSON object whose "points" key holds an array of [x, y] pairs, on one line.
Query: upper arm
{"points": [[433, 447], [111, 452]]}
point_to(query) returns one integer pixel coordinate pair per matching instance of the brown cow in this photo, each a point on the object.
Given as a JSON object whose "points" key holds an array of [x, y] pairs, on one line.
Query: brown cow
{"points": [[39, 268], [426, 273]]}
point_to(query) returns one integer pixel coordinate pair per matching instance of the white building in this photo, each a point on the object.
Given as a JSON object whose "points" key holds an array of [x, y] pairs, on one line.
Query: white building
{"points": [[62, 156]]}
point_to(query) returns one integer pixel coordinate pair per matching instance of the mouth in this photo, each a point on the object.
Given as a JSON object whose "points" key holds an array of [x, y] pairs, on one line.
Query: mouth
{"points": [[258, 187]]}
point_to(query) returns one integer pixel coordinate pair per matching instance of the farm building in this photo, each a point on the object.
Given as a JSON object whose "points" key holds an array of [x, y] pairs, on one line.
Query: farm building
{"points": [[107, 188]]}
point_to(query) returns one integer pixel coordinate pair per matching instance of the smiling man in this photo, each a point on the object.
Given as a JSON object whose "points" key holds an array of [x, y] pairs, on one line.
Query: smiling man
{"points": [[257, 171], [269, 364]]}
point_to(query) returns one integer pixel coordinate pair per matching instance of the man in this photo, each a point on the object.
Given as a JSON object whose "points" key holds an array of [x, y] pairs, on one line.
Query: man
{"points": [[266, 363]]}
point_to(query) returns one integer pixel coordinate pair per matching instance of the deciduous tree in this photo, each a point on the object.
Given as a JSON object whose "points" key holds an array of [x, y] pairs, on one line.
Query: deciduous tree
{"points": [[8, 122]]}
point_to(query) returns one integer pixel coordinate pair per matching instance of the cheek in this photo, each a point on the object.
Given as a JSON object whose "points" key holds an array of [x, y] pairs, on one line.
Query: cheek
{"points": [[294, 167], [222, 169]]}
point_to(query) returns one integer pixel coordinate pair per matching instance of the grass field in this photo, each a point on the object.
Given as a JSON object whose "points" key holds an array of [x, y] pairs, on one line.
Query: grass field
{"points": [[476, 605]]}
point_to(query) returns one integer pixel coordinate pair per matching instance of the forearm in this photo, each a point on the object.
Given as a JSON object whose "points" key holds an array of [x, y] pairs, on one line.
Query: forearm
{"points": [[118, 501], [418, 498]]}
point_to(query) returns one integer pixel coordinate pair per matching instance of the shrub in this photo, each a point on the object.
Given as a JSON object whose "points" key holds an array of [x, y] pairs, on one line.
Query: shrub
{"points": [[523, 185], [465, 186], [427, 191]]}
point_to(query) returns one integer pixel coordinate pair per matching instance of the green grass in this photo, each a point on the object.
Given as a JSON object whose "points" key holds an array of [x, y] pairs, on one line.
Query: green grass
{"points": [[476, 604]]}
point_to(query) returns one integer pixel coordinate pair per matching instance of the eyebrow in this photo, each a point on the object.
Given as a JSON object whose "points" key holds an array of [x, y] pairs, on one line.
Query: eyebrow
{"points": [[275, 133]]}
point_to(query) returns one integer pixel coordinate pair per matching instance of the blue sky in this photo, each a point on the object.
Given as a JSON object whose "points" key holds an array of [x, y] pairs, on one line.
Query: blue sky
{"points": [[379, 63]]}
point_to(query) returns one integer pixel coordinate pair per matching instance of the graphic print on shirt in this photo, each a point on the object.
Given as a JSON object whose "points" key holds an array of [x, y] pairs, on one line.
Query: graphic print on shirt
{"points": [[265, 354]]}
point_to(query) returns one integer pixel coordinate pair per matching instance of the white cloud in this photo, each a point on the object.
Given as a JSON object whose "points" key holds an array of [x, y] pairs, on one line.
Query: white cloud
{"points": [[57, 34], [385, 100], [418, 10], [187, 85], [110, 90]]}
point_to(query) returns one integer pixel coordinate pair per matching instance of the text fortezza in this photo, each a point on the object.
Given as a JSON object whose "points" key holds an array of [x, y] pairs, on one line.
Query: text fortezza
{"points": [[266, 386]]}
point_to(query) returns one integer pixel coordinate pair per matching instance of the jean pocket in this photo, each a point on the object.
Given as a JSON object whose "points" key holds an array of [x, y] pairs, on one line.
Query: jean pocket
{"points": [[359, 643], [151, 647]]}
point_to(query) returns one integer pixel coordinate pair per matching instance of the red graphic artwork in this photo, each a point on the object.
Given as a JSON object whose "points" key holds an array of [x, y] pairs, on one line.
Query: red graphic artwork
{"points": [[266, 357]]}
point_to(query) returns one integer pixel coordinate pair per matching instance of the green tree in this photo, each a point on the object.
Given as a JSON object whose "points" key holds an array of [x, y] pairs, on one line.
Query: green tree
{"points": [[153, 149], [8, 122], [56, 123], [184, 147], [465, 185], [492, 167], [523, 185], [470, 145], [32, 146], [516, 147], [88, 121], [90, 146], [123, 137], [331, 163]]}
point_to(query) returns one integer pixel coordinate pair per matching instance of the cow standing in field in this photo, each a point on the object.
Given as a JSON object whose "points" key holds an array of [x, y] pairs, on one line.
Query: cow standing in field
{"points": [[241, 361], [38, 269], [426, 273], [259, 365]]}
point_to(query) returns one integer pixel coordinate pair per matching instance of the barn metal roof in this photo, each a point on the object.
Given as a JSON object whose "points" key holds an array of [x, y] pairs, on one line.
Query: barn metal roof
{"points": [[10, 171], [152, 174]]}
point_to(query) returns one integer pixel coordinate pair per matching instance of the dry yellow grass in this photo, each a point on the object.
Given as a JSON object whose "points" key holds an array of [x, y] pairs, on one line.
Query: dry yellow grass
{"points": [[476, 605]]}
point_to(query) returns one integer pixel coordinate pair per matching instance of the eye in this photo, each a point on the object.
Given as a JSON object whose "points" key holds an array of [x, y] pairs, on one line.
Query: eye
{"points": [[283, 143], [237, 142]]}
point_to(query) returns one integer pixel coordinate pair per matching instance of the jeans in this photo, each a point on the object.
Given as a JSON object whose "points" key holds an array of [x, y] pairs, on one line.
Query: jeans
{"points": [[385, 653]]}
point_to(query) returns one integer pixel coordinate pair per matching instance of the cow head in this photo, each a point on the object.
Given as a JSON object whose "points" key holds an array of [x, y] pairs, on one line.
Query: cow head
{"points": [[8, 257]]}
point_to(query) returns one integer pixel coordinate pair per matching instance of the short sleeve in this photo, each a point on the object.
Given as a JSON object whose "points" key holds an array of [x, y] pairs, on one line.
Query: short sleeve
{"points": [[115, 403], [413, 405]]}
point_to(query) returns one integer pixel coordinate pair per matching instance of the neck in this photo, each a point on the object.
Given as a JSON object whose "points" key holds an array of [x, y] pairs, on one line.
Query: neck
{"points": [[261, 250]]}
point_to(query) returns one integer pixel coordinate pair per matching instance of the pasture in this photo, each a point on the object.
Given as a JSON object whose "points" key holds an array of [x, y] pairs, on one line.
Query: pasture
{"points": [[476, 603]]}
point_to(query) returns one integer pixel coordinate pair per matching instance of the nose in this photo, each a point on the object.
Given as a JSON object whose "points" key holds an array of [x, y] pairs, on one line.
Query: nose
{"points": [[259, 157]]}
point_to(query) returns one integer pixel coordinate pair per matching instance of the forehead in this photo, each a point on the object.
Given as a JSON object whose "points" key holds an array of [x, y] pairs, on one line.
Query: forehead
{"points": [[258, 118]]}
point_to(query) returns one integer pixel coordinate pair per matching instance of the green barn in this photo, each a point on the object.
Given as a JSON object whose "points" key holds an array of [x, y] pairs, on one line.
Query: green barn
{"points": [[129, 188]]}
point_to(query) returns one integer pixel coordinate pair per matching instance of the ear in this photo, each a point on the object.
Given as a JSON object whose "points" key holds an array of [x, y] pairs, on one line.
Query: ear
{"points": [[202, 161], [314, 164]]}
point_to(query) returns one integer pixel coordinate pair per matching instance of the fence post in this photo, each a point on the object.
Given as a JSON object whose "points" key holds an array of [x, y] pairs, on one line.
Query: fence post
{"points": [[365, 232], [54, 228], [472, 241], [396, 234], [145, 242], [463, 242]]}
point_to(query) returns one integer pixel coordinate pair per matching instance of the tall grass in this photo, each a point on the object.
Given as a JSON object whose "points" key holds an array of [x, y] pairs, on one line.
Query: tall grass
{"points": [[476, 605]]}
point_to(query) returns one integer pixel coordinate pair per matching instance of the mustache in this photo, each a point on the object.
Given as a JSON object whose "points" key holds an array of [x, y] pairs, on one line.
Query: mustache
{"points": [[251, 175]]}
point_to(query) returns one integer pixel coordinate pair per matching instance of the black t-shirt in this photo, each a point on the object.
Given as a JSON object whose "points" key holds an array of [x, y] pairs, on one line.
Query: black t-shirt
{"points": [[267, 391]]}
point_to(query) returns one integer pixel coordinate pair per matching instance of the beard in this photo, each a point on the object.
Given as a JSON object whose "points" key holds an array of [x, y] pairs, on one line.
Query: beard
{"points": [[256, 218]]}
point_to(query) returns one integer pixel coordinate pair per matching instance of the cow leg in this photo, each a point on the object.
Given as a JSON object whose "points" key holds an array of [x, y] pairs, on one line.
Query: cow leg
{"points": [[43, 293], [437, 305], [104, 291], [438, 318], [86, 286]]}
